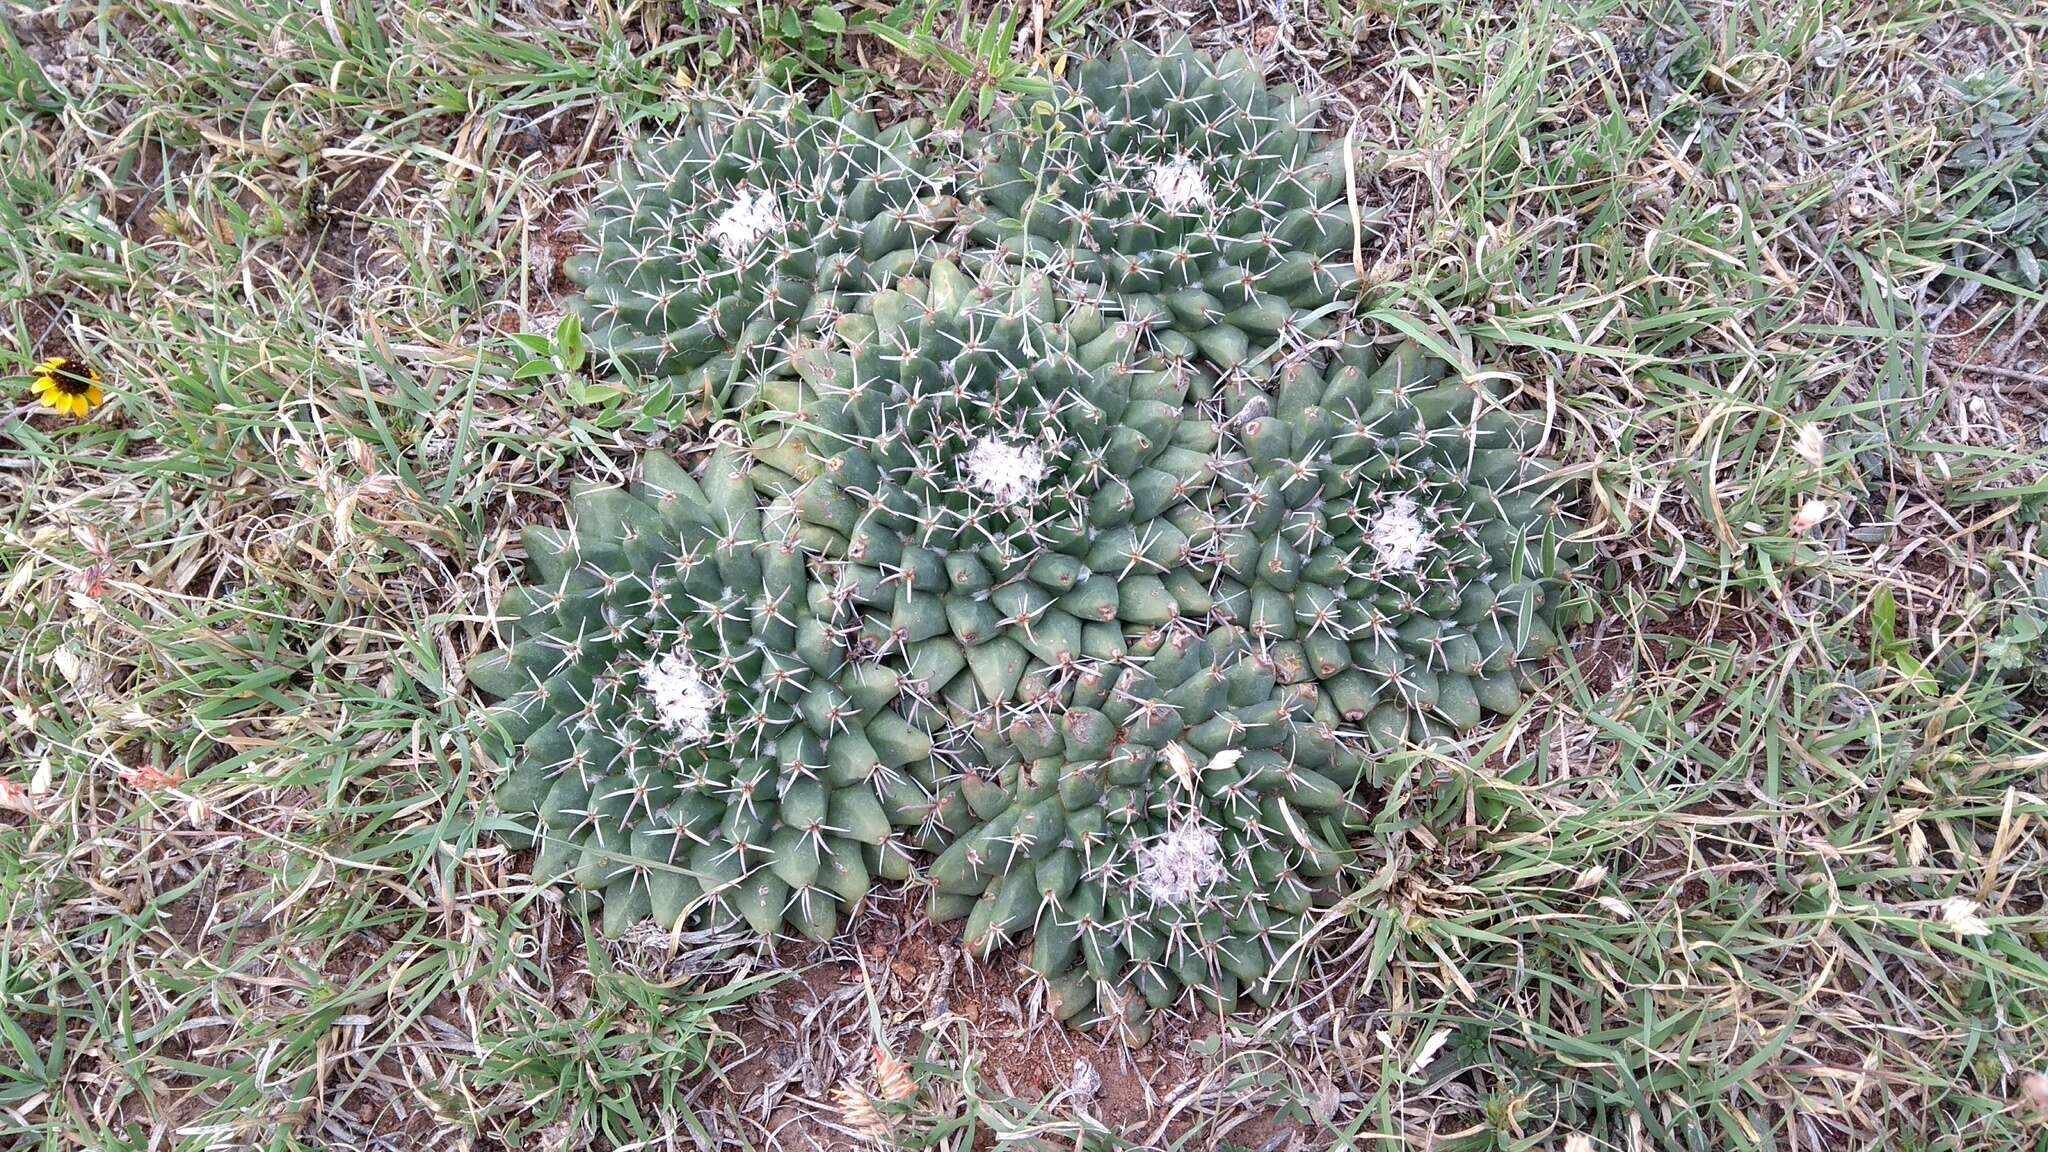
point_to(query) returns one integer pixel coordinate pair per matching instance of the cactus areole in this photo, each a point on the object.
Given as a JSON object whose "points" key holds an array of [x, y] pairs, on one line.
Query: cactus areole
{"points": [[1077, 562]]}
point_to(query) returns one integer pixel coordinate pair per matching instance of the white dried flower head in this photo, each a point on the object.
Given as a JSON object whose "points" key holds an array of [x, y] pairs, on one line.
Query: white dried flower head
{"points": [[1086, 1082], [1811, 515], [1179, 184], [1004, 472], [1174, 868], [1812, 446], [1398, 535], [1960, 915], [683, 702], [751, 216], [2034, 1091]]}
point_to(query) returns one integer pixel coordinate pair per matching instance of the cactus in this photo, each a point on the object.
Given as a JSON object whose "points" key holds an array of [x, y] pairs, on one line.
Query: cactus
{"points": [[691, 731], [751, 225], [1036, 512], [993, 476], [1184, 190], [1074, 546], [1382, 530], [1162, 821]]}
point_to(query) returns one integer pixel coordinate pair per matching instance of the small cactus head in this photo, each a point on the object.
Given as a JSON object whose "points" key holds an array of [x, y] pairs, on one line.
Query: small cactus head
{"points": [[1383, 532], [994, 478], [1158, 823], [690, 739], [752, 224], [1185, 188]]}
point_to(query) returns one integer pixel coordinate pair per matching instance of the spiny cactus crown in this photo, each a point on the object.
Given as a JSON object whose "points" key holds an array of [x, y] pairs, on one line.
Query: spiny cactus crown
{"points": [[1193, 194], [690, 732], [1158, 821], [1381, 532], [1072, 547], [986, 466], [716, 247]]}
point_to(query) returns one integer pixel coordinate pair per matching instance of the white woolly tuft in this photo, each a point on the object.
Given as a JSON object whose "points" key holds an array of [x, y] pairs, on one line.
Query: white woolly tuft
{"points": [[1007, 473], [683, 702], [1398, 535], [1176, 867], [745, 221], [1179, 184]]}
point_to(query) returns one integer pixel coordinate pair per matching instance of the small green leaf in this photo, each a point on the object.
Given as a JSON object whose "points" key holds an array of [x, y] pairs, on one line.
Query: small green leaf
{"points": [[531, 343], [1884, 614], [569, 346], [592, 392], [826, 18]]}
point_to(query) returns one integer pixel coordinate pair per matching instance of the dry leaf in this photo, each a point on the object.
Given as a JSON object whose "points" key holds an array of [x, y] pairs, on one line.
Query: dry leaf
{"points": [[147, 779], [1428, 1051], [2034, 1092], [15, 798]]}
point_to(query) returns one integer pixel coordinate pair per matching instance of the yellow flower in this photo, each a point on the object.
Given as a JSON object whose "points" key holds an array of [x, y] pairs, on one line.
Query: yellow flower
{"points": [[68, 387]]}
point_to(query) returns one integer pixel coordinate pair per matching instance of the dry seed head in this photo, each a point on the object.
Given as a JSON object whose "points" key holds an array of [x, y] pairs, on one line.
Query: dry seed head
{"points": [[892, 1077], [857, 1111], [1960, 915]]}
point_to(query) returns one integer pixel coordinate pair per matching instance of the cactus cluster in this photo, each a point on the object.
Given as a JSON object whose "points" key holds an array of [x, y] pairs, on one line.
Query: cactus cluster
{"points": [[1075, 551]]}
